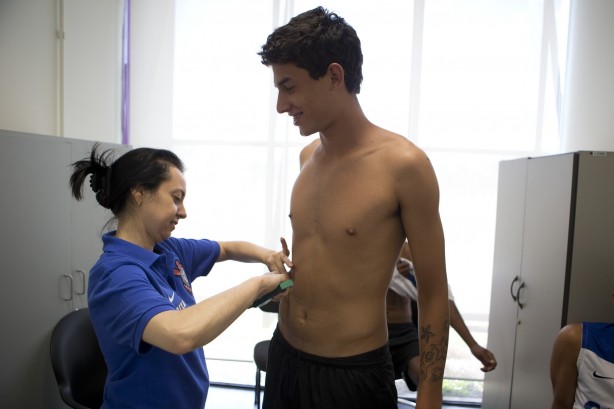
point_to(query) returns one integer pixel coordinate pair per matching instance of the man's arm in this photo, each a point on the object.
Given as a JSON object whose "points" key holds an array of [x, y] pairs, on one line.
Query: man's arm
{"points": [[563, 370], [419, 201], [433, 319], [484, 355]]}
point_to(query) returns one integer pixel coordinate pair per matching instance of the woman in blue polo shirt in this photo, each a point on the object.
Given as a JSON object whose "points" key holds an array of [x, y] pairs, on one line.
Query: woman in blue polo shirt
{"points": [[148, 324]]}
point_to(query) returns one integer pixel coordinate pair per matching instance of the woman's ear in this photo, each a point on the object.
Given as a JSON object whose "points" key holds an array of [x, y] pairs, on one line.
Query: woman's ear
{"points": [[137, 196], [337, 75]]}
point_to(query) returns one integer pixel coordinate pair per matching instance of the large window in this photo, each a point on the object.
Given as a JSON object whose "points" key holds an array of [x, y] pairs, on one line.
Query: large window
{"points": [[472, 82]]}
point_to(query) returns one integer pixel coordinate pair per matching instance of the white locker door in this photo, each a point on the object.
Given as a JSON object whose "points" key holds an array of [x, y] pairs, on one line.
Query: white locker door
{"points": [[544, 261], [506, 279], [592, 266], [35, 206]]}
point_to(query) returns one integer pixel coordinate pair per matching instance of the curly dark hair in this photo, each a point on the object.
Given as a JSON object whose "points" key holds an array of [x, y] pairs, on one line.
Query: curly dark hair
{"points": [[313, 40]]}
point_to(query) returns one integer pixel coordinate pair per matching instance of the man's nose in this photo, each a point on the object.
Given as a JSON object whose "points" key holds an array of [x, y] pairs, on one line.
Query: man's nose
{"points": [[282, 104]]}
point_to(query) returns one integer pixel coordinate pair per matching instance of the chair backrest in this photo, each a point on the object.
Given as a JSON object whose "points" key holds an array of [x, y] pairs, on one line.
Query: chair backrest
{"points": [[79, 367]]}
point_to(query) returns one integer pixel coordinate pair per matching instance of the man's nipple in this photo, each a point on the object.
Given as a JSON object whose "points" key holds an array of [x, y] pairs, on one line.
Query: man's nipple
{"points": [[351, 231]]}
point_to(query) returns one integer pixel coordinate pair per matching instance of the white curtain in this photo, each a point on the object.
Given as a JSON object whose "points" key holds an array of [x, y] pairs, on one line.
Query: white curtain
{"points": [[472, 82]]}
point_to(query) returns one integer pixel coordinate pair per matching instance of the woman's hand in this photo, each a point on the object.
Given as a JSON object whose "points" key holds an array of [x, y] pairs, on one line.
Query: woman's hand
{"points": [[270, 281], [247, 252], [276, 261]]}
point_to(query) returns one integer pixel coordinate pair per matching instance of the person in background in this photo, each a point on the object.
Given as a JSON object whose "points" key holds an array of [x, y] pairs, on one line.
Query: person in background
{"points": [[149, 326], [582, 366], [361, 192], [403, 332]]}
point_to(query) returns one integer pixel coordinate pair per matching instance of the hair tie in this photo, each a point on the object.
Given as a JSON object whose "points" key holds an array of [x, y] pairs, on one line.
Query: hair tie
{"points": [[101, 185]]}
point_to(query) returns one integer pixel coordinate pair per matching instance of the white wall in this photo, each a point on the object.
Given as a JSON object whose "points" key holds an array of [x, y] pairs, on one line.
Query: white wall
{"points": [[151, 82], [92, 69], [73, 89], [588, 103], [67, 87], [28, 66]]}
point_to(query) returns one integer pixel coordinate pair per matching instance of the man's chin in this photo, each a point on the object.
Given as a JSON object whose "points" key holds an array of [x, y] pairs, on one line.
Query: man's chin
{"points": [[306, 132]]}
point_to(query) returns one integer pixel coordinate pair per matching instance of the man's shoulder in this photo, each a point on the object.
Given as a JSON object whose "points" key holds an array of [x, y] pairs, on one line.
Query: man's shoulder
{"points": [[392, 140], [571, 333], [311, 146], [401, 151], [307, 150]]}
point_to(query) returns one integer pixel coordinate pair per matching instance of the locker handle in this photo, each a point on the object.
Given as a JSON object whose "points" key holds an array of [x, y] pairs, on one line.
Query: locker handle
{"points": [[518, 295], [514, 297], [82, 290], [68, 278]]}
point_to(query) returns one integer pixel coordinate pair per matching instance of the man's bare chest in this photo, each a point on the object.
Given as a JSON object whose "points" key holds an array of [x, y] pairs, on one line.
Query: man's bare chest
{"points": [[344, 200]]}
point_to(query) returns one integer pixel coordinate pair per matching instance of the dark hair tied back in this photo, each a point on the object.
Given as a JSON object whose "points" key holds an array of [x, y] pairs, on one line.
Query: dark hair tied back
{"points": [[113, 180], [101, 185], [100, 180]]}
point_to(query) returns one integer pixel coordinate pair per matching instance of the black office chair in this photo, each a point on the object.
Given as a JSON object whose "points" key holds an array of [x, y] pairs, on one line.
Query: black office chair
{"points": [[261, 352], [79, 367], [405, 403]]}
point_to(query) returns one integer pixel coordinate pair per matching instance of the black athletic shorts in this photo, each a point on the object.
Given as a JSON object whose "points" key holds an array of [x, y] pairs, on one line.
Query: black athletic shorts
{"points": [[404, 345], [297, 380]]}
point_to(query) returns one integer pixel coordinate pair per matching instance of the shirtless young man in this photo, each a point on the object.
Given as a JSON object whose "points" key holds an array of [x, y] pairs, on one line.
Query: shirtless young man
{"points": [[362, 191]]}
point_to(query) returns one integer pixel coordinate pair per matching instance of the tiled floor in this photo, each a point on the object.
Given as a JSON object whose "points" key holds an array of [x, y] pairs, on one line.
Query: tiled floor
{"points": [[243, 398]]}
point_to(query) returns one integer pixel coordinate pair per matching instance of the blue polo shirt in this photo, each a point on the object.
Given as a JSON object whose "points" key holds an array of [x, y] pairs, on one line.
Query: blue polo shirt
{"points": [[129, 285]]}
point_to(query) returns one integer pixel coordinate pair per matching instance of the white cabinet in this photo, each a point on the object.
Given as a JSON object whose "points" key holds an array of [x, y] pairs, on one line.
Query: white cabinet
{"points": [[49, 242], [553, 264]]}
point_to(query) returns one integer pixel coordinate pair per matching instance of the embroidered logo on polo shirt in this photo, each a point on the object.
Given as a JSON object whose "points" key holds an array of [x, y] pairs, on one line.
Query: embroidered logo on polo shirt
{"points": [[596, 375], [179, 271]]}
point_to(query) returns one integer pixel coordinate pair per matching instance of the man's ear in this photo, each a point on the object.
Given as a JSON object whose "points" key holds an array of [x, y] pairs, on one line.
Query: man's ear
{"points": [[337, 75]]}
